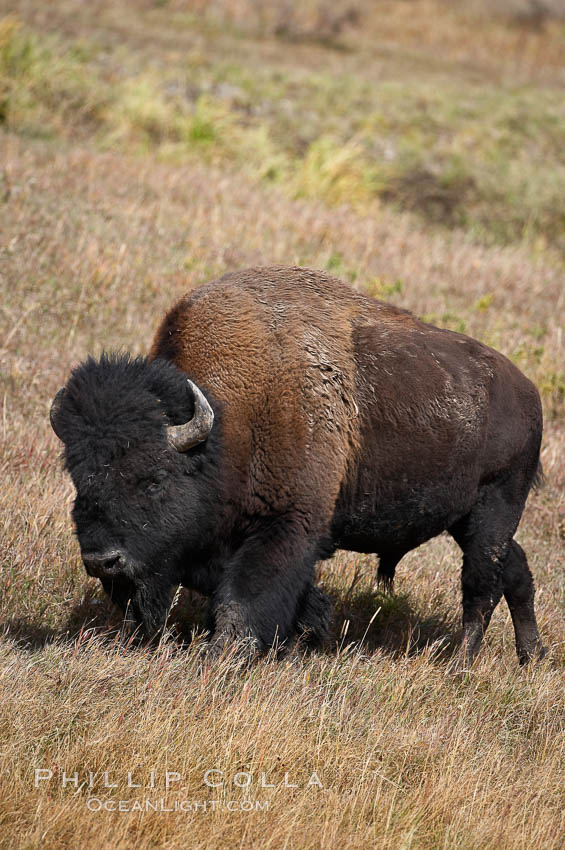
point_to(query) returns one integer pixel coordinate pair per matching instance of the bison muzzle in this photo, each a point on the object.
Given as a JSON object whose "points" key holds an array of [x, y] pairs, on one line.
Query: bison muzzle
{"points": [[279, 416]]}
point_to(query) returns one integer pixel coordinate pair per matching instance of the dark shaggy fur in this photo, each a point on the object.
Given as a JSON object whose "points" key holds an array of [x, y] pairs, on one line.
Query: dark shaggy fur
{"points": [[134, 495], [340, 422]]}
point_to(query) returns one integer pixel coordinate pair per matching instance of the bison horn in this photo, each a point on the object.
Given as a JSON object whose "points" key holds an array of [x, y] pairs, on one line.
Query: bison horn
{"points": [[54, 411], [184, 437]]}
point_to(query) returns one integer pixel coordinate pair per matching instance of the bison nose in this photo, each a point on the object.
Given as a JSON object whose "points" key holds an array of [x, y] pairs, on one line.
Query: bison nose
{"points": [[102, 565]]}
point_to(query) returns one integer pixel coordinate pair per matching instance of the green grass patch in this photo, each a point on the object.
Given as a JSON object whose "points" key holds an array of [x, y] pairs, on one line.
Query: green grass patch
{"points": [[46, 91], [485, 158]]}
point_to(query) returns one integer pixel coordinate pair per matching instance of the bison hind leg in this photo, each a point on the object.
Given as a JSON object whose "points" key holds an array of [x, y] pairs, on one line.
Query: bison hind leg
{"points": [[493, 564], [314, 616], [518, 586], [387, 569]]}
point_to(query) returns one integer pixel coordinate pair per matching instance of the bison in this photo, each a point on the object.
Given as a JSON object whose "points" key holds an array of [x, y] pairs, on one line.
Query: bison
{"points": [[279, 416]]}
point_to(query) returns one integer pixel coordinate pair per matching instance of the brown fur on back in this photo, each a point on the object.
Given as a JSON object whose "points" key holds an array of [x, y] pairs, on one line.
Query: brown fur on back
{"points": [[275, 346], [330, 395]]}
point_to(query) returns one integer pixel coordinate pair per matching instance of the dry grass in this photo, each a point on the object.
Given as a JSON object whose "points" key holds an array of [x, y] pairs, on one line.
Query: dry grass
{"points": [[93, 246], [396, 770]]}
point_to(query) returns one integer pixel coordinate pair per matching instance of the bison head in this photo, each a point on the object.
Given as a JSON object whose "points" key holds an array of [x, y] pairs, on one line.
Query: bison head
{"points": [[141, 448]]}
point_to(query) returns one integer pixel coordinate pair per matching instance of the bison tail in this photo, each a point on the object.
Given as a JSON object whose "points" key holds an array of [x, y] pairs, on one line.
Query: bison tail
{"points": [[539, 477]]}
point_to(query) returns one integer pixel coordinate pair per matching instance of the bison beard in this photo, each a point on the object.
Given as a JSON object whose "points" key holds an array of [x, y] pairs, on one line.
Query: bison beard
{"points": [[278, 417]]}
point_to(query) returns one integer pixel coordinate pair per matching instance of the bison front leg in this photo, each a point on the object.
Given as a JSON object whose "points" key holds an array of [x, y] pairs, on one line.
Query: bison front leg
{"points": [[259, 596], [314, 616]]}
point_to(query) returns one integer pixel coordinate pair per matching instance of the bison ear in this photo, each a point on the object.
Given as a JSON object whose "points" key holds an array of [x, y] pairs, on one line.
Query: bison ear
{"points": [[55, 410], [196, 430]]}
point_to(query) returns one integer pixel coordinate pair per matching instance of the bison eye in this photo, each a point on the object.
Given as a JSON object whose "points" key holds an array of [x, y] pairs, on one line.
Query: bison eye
{"points": [[155, 483]]}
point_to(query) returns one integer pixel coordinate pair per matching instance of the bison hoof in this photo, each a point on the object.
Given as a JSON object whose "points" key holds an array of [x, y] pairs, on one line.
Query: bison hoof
{"points": [[220, 649], [525, 656], [314, 620]]}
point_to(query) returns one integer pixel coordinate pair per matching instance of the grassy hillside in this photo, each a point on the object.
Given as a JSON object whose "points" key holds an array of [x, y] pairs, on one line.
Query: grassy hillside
{"points": [[459, 145], [417, 150]]}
